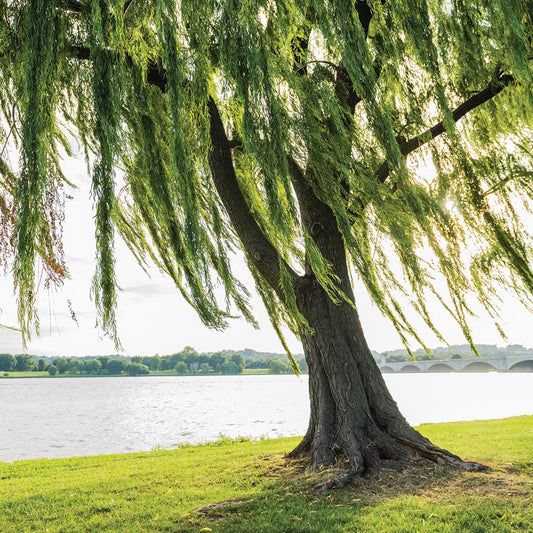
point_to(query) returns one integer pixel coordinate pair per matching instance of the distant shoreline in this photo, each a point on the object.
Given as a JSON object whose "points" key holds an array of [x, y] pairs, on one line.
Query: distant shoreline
{"points": [[264, 372], [44, 374]]}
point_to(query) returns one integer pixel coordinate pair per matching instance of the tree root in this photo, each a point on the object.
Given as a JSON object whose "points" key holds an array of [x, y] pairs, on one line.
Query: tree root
{"points": [[468, 466], [337, 482], [427, 450], [417, 448], [350, 476]]}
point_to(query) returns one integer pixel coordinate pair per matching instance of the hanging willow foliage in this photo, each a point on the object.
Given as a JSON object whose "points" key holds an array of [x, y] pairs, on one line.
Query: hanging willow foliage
{"points": [[34, 91], [350, 99]]}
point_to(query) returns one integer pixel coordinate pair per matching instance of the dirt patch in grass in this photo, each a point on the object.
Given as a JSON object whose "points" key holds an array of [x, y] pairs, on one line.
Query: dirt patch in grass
{"points": [[417, 478], [497, 483], [219, 505]]}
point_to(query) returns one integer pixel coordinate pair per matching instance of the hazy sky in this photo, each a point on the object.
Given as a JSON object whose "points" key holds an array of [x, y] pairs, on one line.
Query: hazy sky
{"points": [[153, 318]]}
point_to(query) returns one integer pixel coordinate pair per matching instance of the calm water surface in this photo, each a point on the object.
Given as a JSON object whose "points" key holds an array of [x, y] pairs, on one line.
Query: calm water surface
{"points": [[87, 416]]}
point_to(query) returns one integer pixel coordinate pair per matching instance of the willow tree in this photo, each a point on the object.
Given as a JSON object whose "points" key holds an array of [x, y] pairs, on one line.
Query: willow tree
{"points": [[296, 132]]}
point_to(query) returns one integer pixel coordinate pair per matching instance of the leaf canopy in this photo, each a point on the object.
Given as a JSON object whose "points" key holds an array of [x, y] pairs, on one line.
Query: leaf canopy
{"points": [[410, 119]]}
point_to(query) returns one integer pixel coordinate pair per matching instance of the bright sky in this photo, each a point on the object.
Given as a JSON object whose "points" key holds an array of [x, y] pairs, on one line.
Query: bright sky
{"points": [[153, 318]]}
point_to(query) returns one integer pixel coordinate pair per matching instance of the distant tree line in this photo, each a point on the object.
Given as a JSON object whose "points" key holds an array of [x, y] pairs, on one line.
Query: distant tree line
{"points": [[189, 361], [19, 363], [103, 366], [186, 362]]}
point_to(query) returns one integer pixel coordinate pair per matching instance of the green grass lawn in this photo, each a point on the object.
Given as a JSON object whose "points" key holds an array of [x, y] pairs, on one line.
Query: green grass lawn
{"points": [[24, 375], [163, 490]]}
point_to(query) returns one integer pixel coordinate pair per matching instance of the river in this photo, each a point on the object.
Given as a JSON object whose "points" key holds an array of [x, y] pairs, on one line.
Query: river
{"points": [[89, 416]]}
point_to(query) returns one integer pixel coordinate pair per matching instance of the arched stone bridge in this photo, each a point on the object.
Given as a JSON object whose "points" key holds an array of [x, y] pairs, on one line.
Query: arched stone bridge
{"points": [[501, 363]]}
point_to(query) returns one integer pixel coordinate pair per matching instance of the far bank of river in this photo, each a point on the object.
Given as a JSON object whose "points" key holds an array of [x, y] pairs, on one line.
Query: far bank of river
{"points": [[157, 373], [85, 416], [172, 373]]}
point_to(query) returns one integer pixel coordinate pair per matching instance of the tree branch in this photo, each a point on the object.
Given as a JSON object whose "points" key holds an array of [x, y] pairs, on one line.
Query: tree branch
{"points": [[155, 74], [127, 5], [74, 6], [343, 86], [259, 250], [495, 87]]}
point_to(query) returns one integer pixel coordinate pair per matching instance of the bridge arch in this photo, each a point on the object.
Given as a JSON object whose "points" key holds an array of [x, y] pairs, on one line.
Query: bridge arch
{"points": [[410, 368], [386, 370], [440, 368], [478, 366], [522, 366]]}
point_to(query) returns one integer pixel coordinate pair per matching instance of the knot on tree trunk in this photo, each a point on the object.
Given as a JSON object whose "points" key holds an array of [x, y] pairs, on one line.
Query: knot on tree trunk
{"points": [[316, 229]]}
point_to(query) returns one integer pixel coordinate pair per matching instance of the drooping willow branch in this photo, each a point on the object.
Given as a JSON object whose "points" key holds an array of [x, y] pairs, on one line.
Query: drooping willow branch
{"points": [[495, 87], [264, 255]]}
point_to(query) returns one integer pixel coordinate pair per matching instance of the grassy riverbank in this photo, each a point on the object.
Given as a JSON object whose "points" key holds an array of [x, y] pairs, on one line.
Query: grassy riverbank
{"points": [[14, 374], [163, 490]]}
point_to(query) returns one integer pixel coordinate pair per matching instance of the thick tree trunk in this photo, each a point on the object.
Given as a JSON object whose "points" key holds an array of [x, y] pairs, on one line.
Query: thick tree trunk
{"points": [[352, 411]]}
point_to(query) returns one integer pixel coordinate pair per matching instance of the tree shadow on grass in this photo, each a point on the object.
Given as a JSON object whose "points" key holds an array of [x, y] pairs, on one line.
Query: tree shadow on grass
{"points": [[414, 496]]}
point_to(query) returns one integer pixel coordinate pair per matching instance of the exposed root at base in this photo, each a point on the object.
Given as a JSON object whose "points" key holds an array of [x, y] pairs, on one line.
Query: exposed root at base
{"points": [[337, 482], [441, 456], [350, 476], [362, 451], [469, 466]]}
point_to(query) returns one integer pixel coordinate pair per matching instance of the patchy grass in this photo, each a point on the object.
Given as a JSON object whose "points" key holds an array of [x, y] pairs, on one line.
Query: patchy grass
{"points": [[248, 486]]}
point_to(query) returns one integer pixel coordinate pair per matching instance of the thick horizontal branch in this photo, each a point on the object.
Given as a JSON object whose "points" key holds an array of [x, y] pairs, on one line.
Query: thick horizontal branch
{"points": [[494, 88], [155, 74], [74, 6]]}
